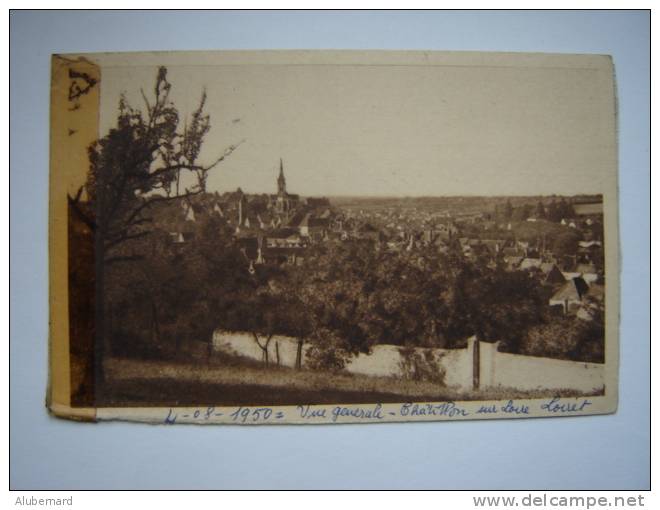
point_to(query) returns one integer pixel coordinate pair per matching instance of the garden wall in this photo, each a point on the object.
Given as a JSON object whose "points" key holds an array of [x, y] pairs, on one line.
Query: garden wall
{"points": [[496, 368]]}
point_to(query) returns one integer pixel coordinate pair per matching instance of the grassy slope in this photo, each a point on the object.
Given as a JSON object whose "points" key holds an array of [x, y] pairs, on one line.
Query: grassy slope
{"points": [[133, 382]]}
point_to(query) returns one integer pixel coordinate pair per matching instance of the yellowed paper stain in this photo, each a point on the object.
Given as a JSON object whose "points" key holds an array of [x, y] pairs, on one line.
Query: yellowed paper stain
{"points": [[74, 116]]}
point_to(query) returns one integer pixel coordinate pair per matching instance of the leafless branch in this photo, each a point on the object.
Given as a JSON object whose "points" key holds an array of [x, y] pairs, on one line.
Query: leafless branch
{"points": [[146, 101], [149, 202], [225, 154]]}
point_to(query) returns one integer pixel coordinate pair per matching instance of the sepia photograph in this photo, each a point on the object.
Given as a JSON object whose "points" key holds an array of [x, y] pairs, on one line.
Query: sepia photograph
{"points": [[331, 250], [330, 237]]}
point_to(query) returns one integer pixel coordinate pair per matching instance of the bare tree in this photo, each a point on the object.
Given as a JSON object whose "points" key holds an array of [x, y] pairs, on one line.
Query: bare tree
{"points": [[139, 163]]}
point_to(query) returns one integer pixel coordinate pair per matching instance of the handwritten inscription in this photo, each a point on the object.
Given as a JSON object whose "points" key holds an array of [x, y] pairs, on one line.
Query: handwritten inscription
{"points": [[358, 412], [370, 413], [487, 410], [309, 412], [445, 409], [511, 407], [198, 414], [557, 405], [248, 414]]}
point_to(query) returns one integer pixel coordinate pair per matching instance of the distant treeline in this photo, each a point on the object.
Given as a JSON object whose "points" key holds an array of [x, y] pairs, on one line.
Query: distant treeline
{"points": [[458, 203]]}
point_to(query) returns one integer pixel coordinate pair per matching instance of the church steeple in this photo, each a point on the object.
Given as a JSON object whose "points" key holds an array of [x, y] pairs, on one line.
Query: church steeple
{"points": [[281, 181]]}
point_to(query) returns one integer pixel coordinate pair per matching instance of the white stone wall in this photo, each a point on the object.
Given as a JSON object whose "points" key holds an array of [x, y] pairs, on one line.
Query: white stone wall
{"points": [[496, 368], [535, 373]]}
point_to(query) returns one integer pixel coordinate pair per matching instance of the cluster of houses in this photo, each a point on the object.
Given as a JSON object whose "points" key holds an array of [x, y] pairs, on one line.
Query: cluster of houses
{"points": [[575, 279], [577, 286], [269, 228], [279, 228]]}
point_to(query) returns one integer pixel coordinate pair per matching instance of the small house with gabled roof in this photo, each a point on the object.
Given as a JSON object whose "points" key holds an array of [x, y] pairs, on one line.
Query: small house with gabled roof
{"points": [[570, 295]]}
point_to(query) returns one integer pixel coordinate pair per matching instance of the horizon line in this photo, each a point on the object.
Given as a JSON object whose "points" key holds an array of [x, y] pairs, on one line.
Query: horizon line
{"points": [[466, 195]]}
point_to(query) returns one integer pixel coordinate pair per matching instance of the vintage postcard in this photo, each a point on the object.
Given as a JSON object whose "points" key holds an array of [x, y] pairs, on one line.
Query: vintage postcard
{"points": [[249, 237]]}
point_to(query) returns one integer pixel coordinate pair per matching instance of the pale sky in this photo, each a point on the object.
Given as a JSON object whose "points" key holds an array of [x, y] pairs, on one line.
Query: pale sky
{"points": [[392, 130]]}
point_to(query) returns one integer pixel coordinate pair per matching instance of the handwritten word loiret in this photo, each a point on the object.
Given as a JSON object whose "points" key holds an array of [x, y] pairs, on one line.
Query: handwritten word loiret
{"points": [[556, 405]]}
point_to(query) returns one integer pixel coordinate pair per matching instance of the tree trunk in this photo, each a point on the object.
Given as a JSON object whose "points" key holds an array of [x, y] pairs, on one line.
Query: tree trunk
{"points": [[109, 325], [476, 363], [155, 323], [299, 349], [209, 350], [264, 348], [99, 312], [277, 353]]}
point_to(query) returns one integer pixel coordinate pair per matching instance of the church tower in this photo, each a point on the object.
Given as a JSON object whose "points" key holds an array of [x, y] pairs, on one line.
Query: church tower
{"points": [[281, 181]]}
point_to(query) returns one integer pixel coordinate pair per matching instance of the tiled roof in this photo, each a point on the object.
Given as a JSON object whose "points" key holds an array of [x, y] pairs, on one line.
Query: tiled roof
{"points": [[573, 290]]}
